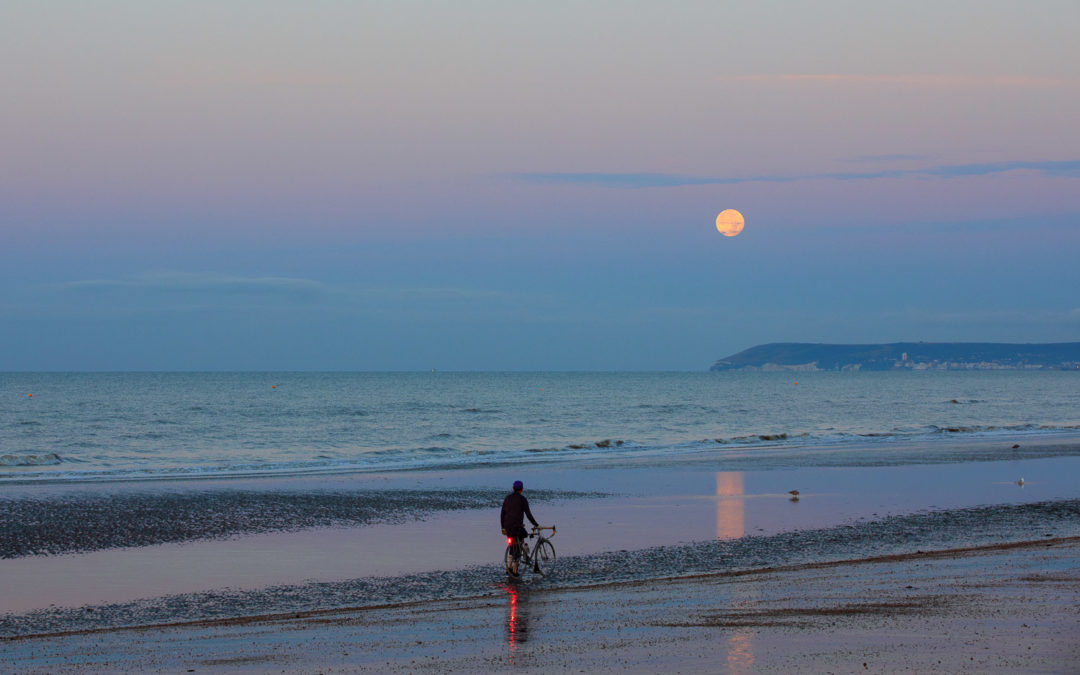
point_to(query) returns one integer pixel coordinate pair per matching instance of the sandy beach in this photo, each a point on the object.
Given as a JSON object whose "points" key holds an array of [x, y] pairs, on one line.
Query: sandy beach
{"points": [[663, 566], [1002, 608]]}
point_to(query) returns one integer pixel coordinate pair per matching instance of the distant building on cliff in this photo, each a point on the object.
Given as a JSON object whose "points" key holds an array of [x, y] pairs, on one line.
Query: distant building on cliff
{"points": [[799, 357]]}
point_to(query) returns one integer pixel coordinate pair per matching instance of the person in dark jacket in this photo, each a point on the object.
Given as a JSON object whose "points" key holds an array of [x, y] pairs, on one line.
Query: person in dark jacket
{"points": [[515, 509]]}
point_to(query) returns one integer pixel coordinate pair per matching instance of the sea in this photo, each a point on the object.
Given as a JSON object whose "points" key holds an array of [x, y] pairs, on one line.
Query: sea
{"points": [[81, 427]]}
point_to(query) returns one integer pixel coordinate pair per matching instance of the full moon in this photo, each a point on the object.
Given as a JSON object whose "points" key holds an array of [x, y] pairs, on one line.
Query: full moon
{"points": [[729, 223]]}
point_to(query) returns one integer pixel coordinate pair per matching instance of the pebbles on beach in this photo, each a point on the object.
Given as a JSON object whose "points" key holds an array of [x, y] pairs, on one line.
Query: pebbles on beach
{"points": [[86, 522], [888, 536]]}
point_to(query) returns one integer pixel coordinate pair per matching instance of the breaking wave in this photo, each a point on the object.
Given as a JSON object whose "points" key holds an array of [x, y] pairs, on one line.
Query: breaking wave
{"points": [[436, 457], [43, 459]]}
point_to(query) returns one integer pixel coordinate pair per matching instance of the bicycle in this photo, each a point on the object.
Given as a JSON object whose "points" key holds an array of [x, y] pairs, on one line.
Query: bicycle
{"points": [[542, 558]]}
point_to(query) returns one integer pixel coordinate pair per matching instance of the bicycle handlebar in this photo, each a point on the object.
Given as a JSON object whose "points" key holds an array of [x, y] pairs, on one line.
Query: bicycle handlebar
{"points": [[538, 528]]}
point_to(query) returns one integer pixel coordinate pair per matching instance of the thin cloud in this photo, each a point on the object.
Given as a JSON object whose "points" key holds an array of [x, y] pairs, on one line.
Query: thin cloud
{"points": [[211, 286], [198, 283], [201, 75], [441, 294], [626, 180], [1066, 168], [895, 157], [1004, 317], [906, 80], [445, 295]]}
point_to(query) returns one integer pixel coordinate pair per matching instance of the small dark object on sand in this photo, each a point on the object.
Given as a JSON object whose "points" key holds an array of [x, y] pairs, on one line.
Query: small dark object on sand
{"points": [[1015, 446], [794, 495]]}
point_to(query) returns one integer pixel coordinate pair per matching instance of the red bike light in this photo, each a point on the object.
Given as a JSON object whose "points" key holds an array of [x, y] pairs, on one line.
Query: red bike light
{"points": [[509, 540]]}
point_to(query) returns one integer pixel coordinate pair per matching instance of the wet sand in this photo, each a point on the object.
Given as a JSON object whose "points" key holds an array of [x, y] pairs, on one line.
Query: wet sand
{"points": [[240, 535], [999, 608], [316, 573]]}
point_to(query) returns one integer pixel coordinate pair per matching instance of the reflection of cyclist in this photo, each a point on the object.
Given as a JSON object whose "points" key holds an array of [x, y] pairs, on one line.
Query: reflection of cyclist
{"points": [[514, 509]]}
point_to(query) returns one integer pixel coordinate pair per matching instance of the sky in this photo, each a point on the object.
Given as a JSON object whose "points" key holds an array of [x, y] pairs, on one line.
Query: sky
{"points": [[485, 185]]}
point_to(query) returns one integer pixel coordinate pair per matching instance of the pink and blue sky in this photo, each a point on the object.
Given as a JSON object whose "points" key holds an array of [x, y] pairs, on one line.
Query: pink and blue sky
{"points": [[488, 186]]}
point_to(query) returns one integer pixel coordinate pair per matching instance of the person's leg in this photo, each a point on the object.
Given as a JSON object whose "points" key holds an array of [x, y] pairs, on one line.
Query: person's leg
{"points": [[519, 537]]}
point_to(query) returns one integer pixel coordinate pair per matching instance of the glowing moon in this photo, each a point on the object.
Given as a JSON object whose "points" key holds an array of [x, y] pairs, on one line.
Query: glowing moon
{"points": [[729, 223]]}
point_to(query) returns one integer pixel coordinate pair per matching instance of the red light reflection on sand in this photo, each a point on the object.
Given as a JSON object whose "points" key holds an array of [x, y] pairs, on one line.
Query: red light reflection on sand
{"points": [[512, 623]]}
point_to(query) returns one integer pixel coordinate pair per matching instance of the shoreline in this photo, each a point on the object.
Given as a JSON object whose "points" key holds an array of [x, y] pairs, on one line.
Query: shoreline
{"points": [[996, 608], [1073, 541], [223, 540], [627, 526], [893, 535]]}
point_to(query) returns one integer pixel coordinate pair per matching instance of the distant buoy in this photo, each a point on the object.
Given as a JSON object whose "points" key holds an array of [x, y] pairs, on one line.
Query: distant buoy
{"points": [[273, 386], [29, 396], [1020, 482]]}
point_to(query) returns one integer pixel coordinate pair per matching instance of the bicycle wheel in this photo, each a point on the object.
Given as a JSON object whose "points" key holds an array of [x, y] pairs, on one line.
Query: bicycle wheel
{"points": [[544, 558], [508, 558]]}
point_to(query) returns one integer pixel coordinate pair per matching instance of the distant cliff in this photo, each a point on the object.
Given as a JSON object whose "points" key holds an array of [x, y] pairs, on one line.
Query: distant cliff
{"points": [[905, 356]]}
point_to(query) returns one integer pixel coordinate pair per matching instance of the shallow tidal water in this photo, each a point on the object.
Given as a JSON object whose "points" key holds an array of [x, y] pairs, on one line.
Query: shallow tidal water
{"points": [[428, 523]]}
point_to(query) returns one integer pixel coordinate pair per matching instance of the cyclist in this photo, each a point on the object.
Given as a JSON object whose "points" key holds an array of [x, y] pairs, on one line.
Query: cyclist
{"points": [[514, 510]]}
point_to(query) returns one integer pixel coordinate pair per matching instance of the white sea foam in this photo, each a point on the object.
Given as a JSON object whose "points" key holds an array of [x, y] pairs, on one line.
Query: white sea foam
{"points": [[748, 448], [42, 459]]}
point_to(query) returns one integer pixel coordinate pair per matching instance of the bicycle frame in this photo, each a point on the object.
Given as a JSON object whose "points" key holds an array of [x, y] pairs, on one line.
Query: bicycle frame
{"points": [[517, 552]]}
